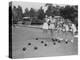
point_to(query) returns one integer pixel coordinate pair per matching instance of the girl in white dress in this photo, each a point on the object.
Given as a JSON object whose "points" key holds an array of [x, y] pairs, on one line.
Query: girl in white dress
{"points": [[52, 23], [73, 28], [45, 25], [66, 27], [52, 26]]}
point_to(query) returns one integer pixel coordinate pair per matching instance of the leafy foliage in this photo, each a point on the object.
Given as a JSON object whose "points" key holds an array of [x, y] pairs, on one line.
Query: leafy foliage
{"points": [[67, 12]]}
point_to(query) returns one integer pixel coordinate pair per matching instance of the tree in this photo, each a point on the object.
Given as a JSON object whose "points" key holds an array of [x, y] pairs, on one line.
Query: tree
{"points": [[48, 4], [52, 10], [19, 12], [41, 14], [32, 12], [49, 11], [75, 15], [26, 13], [66, 12], [69, 12], [56, 10], [14, 15]]}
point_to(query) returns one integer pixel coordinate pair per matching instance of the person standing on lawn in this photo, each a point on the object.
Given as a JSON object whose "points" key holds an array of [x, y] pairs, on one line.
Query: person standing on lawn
{"points": [[52, 26], [73, 28], [45, 24], [66, 27]]}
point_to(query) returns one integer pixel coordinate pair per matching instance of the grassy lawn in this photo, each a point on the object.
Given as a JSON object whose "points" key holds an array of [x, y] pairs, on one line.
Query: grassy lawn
{"points": [[21, 36]]}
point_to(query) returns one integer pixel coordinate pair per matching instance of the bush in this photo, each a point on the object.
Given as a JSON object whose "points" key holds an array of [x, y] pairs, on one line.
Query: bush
{"points": [[36, 22]]}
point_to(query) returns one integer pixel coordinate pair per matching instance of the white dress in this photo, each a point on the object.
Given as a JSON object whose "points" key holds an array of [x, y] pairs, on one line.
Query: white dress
{"points": [[66, 27], [45, 25], [52, 25], [73, 28]]}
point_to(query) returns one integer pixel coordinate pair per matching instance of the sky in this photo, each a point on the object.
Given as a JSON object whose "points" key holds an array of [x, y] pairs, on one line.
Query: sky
{"points": [[28, 5], [35, 5]]}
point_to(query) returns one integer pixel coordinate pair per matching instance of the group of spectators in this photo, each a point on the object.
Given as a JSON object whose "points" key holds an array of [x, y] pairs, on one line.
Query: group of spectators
{"points": [[58, 23]]}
